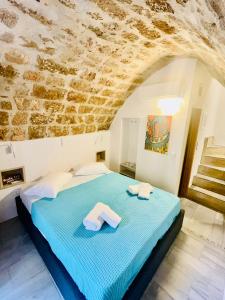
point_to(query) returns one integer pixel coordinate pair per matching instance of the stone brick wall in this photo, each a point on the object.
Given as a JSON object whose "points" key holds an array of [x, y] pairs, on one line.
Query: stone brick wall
{"points": [[67, 66]]}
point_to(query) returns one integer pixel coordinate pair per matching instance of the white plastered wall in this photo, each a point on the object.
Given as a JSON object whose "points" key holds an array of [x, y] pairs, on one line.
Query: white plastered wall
{"points": [[170, 81], [42, 156]]}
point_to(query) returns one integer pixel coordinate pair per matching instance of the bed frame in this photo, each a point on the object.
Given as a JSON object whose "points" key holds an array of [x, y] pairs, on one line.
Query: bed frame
{"points": [[63, 280]]}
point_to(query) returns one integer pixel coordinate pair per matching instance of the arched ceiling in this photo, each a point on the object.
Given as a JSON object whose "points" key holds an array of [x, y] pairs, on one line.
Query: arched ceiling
{"points": [[67, 66]]}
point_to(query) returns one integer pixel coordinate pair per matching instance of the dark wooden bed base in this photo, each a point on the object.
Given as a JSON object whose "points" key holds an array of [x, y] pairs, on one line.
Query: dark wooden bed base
{"points": [[65, 283]]}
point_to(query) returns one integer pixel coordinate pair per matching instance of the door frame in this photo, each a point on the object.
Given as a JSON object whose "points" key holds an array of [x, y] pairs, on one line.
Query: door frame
{"points": [[189, 151]]}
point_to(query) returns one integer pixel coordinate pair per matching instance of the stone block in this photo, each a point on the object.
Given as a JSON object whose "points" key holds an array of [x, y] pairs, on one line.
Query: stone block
{"points": [[20, 118], [8, 18], [57, 131], [84, 109], [78, 129], [42, 92], [18, 134], [6, 105], [8, 71], [33, 76], [66, 119], [52, 106], [16, 56], [4, 134], [41, 119], [4, 118], [97, 100], [76, 97], [36, 132], [90, 128], [7, 37], [71, 109]]}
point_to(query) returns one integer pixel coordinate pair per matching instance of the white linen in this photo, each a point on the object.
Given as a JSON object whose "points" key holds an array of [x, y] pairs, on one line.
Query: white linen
{"points": [[75, 180], [100, 213], [144, 190], [133, 189], [95, 168], [93, 221], [49, 186], [112, 218]]}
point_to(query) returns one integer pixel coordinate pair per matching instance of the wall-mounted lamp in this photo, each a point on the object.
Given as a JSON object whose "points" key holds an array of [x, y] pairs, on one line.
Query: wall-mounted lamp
{"points": [[170, 106], [8, 149]]}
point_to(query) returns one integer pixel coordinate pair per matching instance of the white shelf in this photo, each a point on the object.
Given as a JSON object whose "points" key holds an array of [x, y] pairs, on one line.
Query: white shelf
{"points": [[128, 169], [129, 166]]}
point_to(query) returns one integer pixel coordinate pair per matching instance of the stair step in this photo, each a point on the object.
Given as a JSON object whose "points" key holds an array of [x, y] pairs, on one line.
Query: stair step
{"points": [[205, 182], [210, 171], [215, 167], [207, 198], [217, 155], [210, 178], [215, 150], [216, 160], [209, 193]]}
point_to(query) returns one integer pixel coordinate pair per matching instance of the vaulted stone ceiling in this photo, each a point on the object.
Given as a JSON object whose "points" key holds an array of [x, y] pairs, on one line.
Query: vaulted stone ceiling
{"points": [[67, 66]]}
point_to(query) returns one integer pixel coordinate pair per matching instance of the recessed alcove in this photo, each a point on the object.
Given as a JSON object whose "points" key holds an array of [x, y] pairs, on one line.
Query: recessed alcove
{"points": [[100, 156], [130, 130], [11, 177]]}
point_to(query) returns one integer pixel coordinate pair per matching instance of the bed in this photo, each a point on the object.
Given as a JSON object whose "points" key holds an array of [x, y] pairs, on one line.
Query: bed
{"points": [[112, 263]]}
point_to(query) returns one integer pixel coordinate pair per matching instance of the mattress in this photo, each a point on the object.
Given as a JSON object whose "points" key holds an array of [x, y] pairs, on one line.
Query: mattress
{"points": [[76, 180], [103, 264]]}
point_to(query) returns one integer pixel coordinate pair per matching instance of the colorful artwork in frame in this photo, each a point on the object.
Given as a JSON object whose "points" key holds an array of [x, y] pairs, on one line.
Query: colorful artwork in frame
{"points": [[158, 133]]}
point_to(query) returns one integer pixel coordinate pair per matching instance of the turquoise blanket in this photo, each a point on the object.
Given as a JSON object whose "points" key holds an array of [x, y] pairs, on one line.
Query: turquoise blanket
{"points": [[103, 264]]}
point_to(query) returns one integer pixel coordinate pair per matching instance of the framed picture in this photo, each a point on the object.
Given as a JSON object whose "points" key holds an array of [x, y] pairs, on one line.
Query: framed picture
{"points": [[158, 133]]}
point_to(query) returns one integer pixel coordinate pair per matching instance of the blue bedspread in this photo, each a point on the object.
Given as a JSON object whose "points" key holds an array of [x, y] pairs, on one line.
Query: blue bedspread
{"points": [[103, 264]]}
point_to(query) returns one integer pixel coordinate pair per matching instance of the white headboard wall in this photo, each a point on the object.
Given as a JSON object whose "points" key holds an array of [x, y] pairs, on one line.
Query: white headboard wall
{"points": [[42, 156]]}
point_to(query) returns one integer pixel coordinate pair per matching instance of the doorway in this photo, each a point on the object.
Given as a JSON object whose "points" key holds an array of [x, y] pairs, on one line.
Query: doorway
{"points": [[208, 185]]}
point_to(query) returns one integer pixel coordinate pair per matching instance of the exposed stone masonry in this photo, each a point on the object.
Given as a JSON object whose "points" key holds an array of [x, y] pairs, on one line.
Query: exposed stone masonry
{"points": [[67, 66]]}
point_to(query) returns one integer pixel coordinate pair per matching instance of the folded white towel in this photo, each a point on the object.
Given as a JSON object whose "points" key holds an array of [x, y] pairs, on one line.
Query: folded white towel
{"points": [[93, 220], [133, 189], [100, 213], [112, 218], [144, 190]]}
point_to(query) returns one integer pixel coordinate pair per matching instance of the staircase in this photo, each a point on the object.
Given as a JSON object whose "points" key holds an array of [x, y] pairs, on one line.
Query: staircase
{"points": [[208, 186]]}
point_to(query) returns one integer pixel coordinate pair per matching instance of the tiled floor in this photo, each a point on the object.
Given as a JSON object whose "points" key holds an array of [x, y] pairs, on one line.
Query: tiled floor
{"points": [[205, 223], [194, 268], [23, 274]]}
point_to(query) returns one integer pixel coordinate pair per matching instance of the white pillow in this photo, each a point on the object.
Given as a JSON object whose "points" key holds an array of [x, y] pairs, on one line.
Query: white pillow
{"points": [[49, 186], [92, 169]]}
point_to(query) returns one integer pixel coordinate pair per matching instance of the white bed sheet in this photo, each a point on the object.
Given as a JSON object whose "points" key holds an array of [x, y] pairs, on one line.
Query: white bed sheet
{"points": [[76, 180]]}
